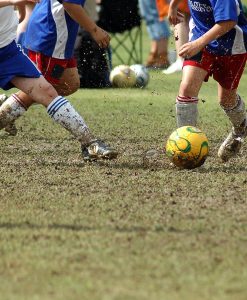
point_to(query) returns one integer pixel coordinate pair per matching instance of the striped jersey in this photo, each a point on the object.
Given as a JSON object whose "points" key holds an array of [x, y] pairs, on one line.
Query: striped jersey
{"points": [[206, 13], [51, 31]]}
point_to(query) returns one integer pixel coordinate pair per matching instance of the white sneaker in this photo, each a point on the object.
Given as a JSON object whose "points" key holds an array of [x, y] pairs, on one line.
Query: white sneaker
{"points": [[231, 145], [175, 67]]}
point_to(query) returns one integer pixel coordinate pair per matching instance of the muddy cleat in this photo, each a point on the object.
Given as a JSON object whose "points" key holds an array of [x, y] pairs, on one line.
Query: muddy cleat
{"points": [[231, 145], [97, 149], [10, 128]]}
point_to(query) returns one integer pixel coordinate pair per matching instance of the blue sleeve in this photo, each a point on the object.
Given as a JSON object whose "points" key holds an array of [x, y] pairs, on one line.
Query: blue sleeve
{"points": [[79, 2], [225, 10]]}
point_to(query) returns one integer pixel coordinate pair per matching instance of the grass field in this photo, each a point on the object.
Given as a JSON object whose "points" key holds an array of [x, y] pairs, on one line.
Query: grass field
{"points": [[134, 228], [129, 229]]}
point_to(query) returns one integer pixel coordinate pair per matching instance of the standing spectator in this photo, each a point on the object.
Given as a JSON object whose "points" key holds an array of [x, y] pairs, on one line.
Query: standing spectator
{"points": [[159, 33]]}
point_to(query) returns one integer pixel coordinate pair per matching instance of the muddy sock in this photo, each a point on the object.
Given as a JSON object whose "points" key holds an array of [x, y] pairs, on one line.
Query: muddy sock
{"points": [[186, 111], [237, 115], [62, 112], [11, 110]]}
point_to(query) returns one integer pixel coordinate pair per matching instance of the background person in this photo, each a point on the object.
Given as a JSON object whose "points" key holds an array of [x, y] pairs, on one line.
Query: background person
{"points": [[159, 34], [181, 32]]}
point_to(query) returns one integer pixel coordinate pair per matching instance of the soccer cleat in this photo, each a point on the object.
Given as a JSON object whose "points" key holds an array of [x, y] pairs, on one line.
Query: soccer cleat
{"points": [[232, 144], [97, 149], [10, 128]]}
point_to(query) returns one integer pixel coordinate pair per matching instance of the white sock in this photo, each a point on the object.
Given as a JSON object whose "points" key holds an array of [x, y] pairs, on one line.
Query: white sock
{"points": [[186, 111], [236, 114], [62, 112], [11, 110]]}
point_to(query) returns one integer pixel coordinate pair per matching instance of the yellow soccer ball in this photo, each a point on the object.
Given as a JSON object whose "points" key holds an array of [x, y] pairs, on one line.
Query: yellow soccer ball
{"points": [[123, 77], [187, 147]]}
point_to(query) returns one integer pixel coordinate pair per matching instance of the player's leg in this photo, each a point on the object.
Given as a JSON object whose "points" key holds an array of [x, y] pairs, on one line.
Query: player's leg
{"points": [[158, 32], [69, 82], [43, 93], [181, 33], [59, 109], [62, 112], [62, 74], [65, 81], [234, 108], [10, 128], [187, 100], [228, 76]]}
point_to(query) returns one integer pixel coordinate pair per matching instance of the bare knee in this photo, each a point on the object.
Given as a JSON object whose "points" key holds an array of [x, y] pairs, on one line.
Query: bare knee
{"points": [[69, 82], [192, 80], [67, 89], [43, 93], [72, 88], [37, 89], [187, 90], [47, 90]]}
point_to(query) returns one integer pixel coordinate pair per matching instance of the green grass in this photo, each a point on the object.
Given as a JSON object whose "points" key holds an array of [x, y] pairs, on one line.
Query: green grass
{"points": [[127, 229], [131, 229]]}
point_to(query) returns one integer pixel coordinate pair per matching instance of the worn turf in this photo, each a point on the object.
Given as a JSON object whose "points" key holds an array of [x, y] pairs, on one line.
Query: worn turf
{"points": [[133, 228]]}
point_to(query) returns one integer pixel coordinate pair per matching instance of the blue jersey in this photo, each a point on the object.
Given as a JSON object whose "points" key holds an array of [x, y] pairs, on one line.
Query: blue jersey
{"points": [[206, 13], [51, 31]]}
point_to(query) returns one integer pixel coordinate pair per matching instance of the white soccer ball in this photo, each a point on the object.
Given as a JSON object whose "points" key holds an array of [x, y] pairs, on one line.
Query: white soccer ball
{"points": [[142, 75], [123, 77]]}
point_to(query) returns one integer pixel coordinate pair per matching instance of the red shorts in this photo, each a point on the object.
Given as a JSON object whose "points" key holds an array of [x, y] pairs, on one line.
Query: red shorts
{"points": [[225, 69], [50, 67]]}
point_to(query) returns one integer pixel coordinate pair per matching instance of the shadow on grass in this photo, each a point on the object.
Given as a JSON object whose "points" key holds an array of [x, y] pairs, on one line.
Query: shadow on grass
{"points": [[165, 165], [223, 168], [133, 164], [81, 228], [156, 162]]}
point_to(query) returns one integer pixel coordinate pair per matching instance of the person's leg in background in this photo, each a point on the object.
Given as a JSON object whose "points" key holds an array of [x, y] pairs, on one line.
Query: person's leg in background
{"points": [[181, 34], [181, 31], [159, 33]]}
